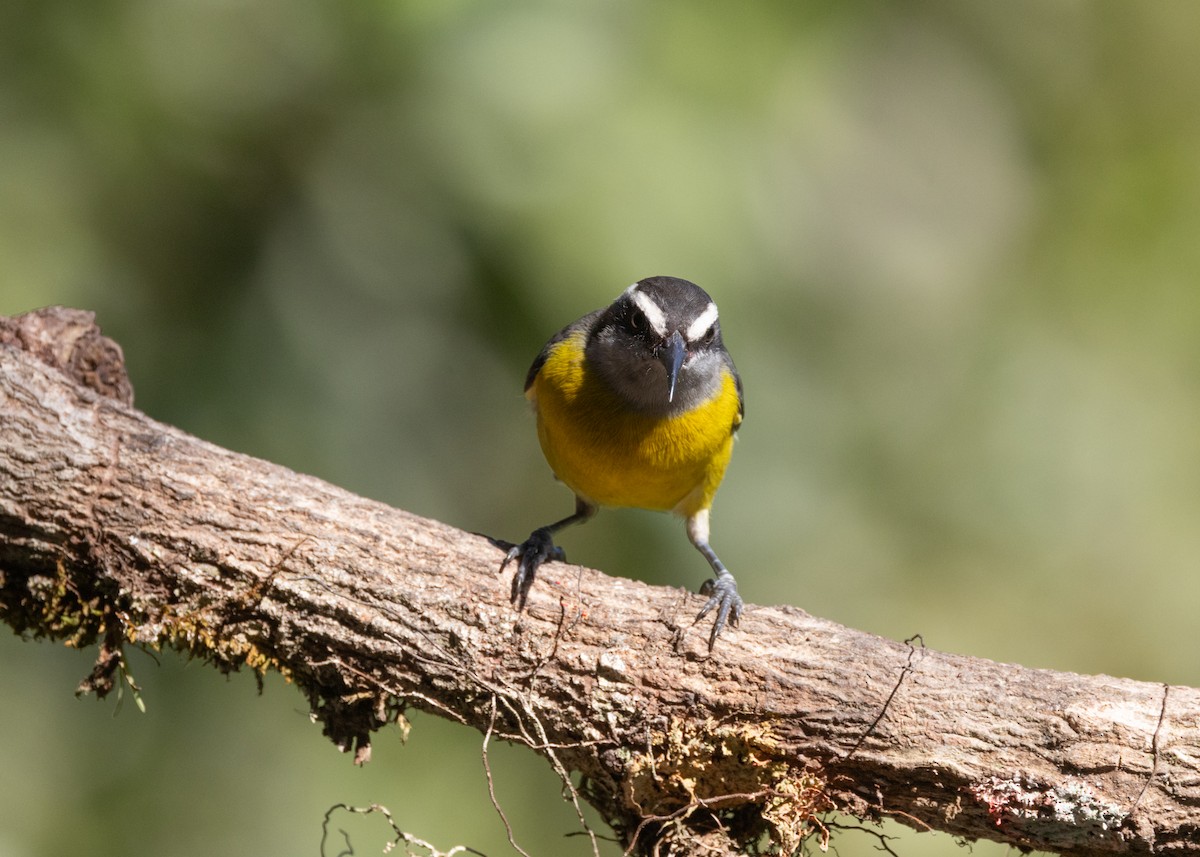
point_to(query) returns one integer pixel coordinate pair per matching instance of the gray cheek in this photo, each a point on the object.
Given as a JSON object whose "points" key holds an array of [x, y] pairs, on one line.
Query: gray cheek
{"points": [[648, 387], [697, 384], [643, 383]]}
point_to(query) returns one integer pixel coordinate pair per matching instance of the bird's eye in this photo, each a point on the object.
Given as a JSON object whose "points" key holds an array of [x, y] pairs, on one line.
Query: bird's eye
{"points": [[709, 336], [637, 320]]}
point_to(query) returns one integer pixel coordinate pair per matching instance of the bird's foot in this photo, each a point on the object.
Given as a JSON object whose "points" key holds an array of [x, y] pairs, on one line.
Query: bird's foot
{"points": [[723, 597], [530, 555]]}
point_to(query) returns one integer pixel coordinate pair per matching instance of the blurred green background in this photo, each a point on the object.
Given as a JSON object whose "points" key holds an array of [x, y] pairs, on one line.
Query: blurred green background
{"points": [[955, 248]]}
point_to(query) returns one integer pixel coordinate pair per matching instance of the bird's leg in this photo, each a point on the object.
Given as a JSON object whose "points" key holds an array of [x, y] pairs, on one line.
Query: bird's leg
{"points": [[540, 547], [721, 590]]}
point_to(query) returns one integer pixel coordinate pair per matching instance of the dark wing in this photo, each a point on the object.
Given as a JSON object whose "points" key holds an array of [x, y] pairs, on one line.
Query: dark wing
{"points": [[586, 322], [741, 398], [737, 379]]}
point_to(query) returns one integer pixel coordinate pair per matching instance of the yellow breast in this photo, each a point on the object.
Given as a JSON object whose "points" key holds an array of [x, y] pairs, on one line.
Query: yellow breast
{"points": [[613, 456]]}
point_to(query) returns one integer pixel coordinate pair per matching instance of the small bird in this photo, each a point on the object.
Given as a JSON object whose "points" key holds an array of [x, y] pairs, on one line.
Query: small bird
{"points": [[637, 405]]}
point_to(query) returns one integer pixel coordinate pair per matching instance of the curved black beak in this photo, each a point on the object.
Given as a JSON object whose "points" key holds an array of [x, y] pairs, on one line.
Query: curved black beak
{"points": [[671, 354]]}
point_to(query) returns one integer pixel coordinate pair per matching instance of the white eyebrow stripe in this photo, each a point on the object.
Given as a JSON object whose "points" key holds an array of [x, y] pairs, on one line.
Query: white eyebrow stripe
{"points": [[653, 312], [702, 323]]}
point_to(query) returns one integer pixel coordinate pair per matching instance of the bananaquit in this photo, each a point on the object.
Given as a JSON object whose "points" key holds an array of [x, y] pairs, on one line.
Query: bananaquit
{"points": [[637, 405]]}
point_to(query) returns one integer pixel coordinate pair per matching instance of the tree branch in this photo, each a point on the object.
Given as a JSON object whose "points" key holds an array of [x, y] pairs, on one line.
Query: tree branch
{"points": [[116, 530]]}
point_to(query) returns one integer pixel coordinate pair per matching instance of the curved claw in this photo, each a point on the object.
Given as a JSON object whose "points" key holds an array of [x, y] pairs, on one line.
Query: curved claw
{"points": [[530, 554], [723, 596]]}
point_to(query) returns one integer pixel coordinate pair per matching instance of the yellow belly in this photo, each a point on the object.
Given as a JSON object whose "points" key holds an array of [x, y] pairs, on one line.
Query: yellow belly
{"points": [[614, 457]]}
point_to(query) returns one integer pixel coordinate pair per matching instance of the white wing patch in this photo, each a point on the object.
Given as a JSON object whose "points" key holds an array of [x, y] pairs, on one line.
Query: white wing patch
{"points": [[703, 322]]}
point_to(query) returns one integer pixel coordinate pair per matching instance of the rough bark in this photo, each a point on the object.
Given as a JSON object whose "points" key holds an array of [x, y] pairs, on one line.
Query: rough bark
{"points": [[118, 530]]}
